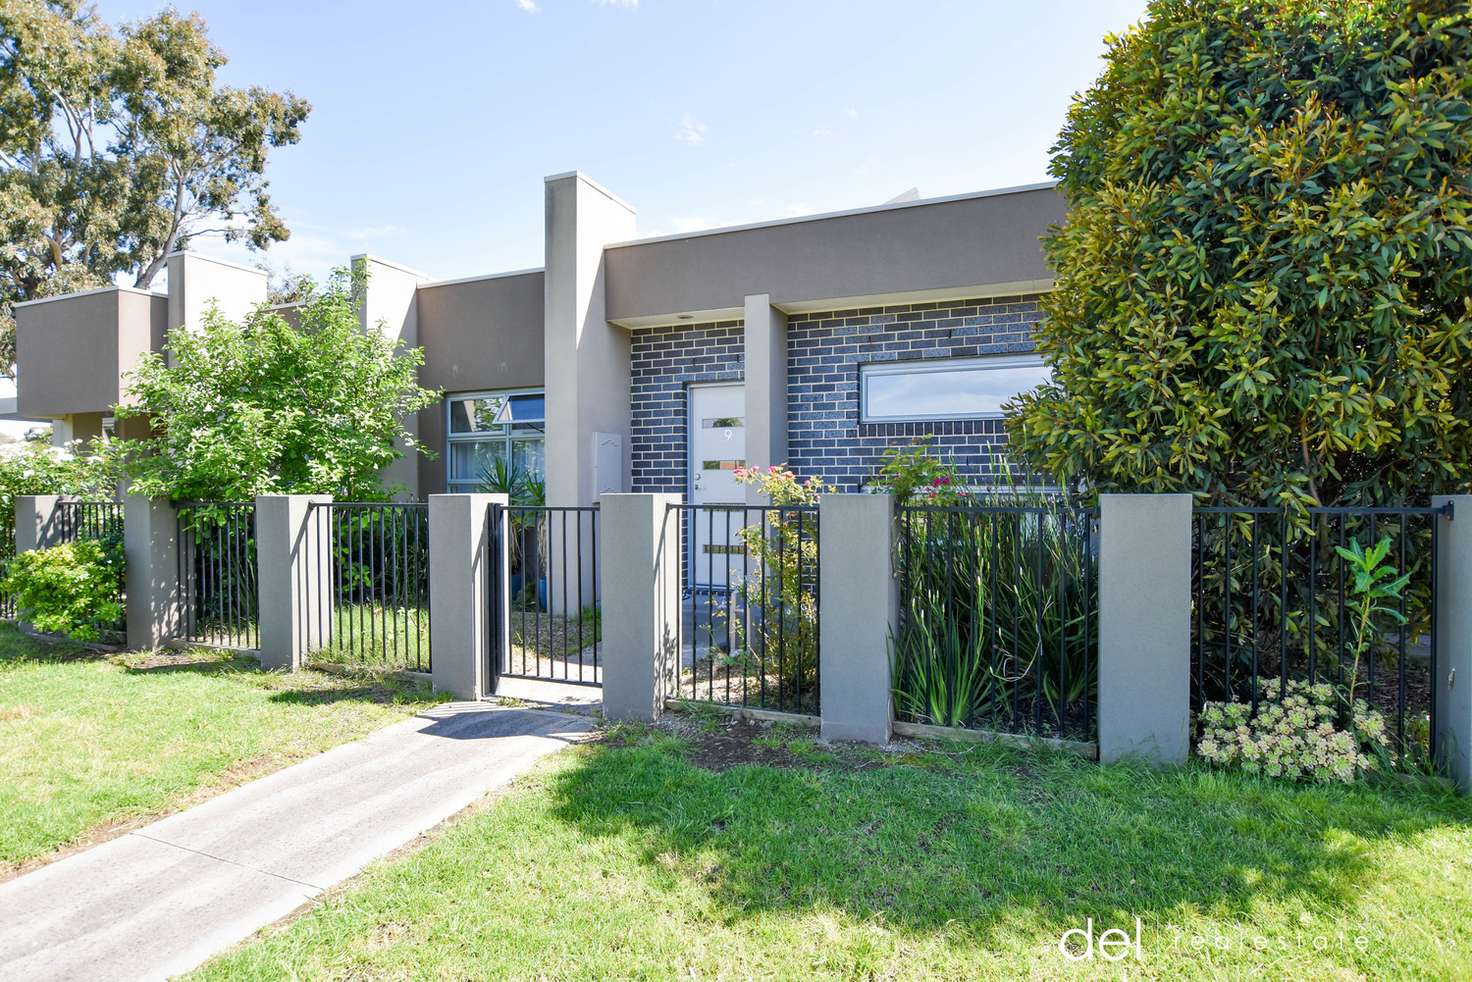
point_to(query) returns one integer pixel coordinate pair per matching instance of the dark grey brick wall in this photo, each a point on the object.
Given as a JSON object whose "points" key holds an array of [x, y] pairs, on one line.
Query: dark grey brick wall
{"points": [[825, 350], [663, 363]]}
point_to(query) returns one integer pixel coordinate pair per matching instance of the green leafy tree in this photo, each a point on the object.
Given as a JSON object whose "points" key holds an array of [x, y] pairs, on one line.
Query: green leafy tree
{"points": [[262, 407], [1264, 283], [118, 146]]}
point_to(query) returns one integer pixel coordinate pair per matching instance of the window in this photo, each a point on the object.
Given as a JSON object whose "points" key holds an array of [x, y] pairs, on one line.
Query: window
{"points": [[954, 388], [485, 426]]}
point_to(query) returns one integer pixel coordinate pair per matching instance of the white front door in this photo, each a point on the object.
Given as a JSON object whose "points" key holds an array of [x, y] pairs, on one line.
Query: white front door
{"points": [[717, 429]]}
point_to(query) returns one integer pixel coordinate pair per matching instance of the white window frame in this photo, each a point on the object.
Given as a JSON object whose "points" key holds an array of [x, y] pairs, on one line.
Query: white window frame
{"points": [[508, 438], [880, 369]]}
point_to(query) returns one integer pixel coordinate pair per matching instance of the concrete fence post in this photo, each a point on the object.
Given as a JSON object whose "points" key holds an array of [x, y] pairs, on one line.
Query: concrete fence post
{"points": [[858, 613], [151, 554], [294, 569], [1145, 627], [1452, 684], [640, 594], [460, 606], [37, 524]]}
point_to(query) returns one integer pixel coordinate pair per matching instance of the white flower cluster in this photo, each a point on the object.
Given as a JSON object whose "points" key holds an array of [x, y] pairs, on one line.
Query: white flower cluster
{"points": [[1295, 734]]}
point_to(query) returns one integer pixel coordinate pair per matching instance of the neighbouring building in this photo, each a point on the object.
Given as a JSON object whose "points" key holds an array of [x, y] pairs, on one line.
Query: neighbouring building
{"points": [[654, 364]]}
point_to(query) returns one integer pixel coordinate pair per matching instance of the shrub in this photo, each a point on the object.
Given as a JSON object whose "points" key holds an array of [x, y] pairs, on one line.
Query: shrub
{"points": [[263, 406], [1307, 732], [1261, 287], [70, 589], [996, 612], [783, 599]]}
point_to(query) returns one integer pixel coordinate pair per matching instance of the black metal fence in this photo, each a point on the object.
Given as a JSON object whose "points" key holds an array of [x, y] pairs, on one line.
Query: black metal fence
{"points": [[998, 618], [88, 520], [748, 625], [219, 583], [73, 520], [374, 608], [555, 619], [1275, 599]]}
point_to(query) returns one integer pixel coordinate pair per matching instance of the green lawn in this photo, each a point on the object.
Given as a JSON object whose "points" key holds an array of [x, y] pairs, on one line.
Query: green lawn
{"points": [[87, 741], [707, 855]]}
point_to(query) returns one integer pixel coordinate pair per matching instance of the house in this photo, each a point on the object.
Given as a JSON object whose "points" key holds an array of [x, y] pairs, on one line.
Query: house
{"points": [[653, 364]]}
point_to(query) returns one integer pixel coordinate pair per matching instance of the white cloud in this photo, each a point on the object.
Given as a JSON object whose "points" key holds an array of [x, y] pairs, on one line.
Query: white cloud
{"points": [[692, 131], [528, 6], [852, 113], [822, 132]]}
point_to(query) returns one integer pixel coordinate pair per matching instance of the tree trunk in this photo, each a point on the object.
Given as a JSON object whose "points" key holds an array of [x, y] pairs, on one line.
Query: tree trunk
{"points": [[145, 276]]}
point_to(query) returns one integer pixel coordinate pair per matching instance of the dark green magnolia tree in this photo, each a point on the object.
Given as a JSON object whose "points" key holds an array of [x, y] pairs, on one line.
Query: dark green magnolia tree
{"points": [[118, 147], [1264, 283], [265, 407]]}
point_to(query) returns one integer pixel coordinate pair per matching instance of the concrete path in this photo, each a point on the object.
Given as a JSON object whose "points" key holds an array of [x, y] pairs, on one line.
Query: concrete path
{"points": [[166, 897]]}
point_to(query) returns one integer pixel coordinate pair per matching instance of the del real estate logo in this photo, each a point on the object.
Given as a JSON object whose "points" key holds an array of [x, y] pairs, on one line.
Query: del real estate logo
{"points": [[1115, 944]]}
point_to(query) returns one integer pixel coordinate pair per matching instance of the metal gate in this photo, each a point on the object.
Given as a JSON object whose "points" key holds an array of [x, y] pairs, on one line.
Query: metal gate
{"points": [[545, 618]]}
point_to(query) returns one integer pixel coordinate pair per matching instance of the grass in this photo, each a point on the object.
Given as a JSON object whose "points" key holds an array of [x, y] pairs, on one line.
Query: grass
{"points": [[88, 742], [398, 638], [709, 853]]}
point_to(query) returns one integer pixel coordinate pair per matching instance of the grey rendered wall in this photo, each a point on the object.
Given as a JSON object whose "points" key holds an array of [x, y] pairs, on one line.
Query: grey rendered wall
{"points": [[68, 350], [1145, 627], [587, 359], [1453, 682], [992, 239], [477, 334], [858, 615], [389, 304], [196, 282]]}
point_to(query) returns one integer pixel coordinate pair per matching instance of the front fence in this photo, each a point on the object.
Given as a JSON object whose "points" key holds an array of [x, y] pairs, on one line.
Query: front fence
{"points": [[554, 621], [219, 584], [998, 615], [374, 609], [748, 630], [101, 521], [88, 520], [1276, 604]]}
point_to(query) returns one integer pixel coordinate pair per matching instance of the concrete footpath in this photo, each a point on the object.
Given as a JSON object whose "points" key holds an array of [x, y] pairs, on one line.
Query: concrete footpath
{"points": [[164, 898]]}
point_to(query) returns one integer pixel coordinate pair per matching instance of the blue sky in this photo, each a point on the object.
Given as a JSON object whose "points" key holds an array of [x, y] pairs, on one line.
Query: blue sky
{"points": [[434, 123]]}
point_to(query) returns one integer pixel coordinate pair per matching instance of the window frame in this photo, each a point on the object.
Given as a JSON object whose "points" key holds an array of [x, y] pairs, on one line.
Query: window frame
{"points": [[507, 439], [880, 369]]}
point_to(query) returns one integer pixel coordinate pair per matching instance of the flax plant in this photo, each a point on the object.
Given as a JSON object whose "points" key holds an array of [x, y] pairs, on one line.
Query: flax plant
{"points": [[997, 599]]}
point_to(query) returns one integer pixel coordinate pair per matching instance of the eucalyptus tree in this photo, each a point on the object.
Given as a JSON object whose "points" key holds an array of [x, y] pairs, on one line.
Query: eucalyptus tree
{"points": [[119, 146]]}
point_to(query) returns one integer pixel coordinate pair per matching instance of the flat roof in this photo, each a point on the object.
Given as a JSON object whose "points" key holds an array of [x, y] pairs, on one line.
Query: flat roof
{"points": [[86, 293], [824, 216]]}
